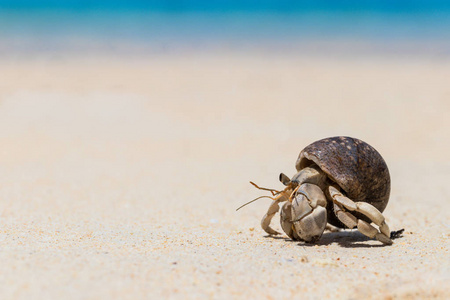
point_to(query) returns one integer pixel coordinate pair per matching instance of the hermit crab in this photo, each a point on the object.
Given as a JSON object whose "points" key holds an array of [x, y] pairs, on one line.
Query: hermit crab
{"points": [[340, 181]]}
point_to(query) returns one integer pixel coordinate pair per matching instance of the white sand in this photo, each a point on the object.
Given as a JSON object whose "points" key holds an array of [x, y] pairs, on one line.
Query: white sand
{"points": [[120, 177]]}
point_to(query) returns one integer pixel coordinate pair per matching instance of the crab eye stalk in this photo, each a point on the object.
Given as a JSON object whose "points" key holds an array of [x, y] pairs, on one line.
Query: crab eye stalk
{"points": [[285, 179]]}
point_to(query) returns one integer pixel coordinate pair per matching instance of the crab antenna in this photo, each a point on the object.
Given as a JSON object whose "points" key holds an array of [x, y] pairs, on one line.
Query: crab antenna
{"points": [[253, 201], [273, 191]]}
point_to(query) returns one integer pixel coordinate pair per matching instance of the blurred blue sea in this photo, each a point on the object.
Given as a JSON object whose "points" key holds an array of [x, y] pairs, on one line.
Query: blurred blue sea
{"points": [[234, 5], [164, 26]]}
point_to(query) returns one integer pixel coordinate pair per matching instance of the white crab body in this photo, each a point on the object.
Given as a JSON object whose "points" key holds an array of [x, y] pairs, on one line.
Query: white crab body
{"points": [[342, 181]]}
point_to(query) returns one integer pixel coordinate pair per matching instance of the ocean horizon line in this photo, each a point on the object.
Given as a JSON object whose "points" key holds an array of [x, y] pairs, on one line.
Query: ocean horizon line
{"points": [[140, 31]]}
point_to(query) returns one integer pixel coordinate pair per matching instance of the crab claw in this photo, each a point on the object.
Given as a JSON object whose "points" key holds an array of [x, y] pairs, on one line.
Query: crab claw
{"points": [[309, 214], [286, 220], [311, 227]]}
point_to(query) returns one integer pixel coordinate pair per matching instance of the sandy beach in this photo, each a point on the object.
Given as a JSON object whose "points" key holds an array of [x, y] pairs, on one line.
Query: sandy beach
{"points": [[120, 175]]}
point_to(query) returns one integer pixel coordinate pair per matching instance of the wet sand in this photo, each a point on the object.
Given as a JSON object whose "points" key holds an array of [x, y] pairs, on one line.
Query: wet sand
{"points": [[120, 176]]}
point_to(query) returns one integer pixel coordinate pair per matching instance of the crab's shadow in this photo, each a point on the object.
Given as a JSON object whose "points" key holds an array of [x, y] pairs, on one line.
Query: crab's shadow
{"points": [[346, 239]]}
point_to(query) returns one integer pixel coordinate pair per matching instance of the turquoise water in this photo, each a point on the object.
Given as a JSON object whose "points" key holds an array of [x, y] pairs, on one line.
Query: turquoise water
{"points": [[169, 25], [387, 6]]}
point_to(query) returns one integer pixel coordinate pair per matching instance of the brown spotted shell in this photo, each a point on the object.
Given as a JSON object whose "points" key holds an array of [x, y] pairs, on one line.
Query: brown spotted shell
{"points": [[354, 165]]}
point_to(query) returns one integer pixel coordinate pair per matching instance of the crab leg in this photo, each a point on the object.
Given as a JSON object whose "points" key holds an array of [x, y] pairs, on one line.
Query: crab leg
{"points": [[273, 209], [366, 209], [345, 217], [265, 222]]}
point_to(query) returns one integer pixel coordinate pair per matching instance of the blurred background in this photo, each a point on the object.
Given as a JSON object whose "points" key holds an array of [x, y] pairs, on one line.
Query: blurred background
{"points": [[139, 27], [129, 131], [218, 79]]}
